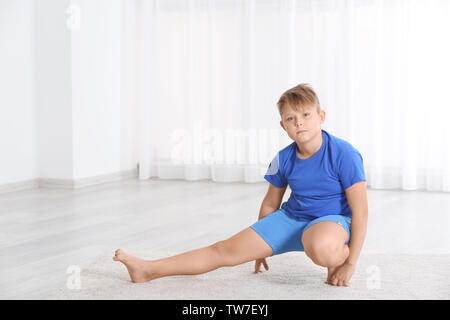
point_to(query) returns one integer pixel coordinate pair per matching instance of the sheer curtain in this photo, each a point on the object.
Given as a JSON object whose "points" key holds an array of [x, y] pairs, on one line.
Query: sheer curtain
{"points": [[208, 74]]}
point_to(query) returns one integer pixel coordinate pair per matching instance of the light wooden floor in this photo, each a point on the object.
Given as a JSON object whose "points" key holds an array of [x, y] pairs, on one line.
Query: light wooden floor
{"points": [[44, 231]]}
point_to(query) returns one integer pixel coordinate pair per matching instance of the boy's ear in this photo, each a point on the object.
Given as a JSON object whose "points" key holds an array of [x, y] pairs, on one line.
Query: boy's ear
{"points": [[282, 125], [323, 113]]}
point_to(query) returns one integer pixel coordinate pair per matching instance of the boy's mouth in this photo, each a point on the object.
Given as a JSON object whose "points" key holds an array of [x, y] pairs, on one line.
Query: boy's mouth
{"points": [[301, 131]]}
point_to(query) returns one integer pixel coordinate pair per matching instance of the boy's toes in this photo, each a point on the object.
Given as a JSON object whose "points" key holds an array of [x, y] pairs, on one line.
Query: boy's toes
{"points": [[118, 254]]}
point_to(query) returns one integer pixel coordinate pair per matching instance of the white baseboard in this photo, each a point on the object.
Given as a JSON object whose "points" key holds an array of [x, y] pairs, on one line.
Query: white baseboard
{"points": [[68, 184], [19, 186]]}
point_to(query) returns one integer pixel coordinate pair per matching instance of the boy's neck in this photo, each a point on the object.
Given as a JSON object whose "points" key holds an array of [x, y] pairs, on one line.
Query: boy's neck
{"points": [[309, 148]]}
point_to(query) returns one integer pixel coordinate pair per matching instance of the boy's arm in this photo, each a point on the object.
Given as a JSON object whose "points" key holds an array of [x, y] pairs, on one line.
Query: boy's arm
{"points": [[272, 201], [357, 201], [265, 211]]}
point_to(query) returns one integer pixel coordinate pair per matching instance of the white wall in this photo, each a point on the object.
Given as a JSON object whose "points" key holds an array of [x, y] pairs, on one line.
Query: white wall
{"points": [[62, 114], [53, 101], [96, 88], [17, 125]]}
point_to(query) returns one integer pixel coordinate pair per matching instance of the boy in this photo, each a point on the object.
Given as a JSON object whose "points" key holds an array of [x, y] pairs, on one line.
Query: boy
{"points": [[328, 199]]}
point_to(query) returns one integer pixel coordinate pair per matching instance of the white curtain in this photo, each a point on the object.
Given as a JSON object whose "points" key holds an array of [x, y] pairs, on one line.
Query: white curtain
{"points": [[208, 74]]}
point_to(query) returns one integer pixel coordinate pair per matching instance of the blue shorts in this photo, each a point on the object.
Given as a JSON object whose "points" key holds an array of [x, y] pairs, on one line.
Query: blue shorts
{"points": [[284, 233]]}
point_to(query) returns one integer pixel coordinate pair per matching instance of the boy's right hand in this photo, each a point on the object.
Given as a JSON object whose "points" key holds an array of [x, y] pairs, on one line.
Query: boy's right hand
{"points": [[258, 263]]}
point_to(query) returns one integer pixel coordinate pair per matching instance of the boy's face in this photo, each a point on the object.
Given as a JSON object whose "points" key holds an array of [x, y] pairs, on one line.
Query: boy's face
{"points": [[302, 124]]}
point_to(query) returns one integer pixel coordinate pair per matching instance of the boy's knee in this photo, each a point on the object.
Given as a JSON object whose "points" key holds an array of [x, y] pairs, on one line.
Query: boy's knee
{"points": [[324, 253]]}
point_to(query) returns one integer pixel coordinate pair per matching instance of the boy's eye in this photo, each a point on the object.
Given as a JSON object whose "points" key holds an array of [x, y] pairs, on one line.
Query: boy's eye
{"points": [[290, 118]]}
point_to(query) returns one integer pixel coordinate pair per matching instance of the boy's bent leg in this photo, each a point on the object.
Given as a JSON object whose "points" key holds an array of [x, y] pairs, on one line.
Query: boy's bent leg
{"points": [[245, 246], [324, 243]]}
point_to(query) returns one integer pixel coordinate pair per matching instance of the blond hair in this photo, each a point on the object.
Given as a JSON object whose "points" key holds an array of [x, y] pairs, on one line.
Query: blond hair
{"points": [[298, 97]]}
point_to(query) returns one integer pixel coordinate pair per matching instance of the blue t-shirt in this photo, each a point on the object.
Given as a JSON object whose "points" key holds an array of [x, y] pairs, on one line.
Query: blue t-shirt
{"points": [[318, 183]]}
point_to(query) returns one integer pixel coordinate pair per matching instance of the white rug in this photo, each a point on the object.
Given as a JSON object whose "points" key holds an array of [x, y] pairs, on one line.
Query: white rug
{"points": [[291, 276]]}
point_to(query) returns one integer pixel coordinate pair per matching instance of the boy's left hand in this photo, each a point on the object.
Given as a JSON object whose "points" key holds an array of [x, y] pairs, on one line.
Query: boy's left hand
{"points": [[341, 275]]}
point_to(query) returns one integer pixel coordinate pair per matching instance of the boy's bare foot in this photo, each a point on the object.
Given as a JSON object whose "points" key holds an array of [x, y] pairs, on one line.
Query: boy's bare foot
{"points": [[137, 268], [330, 272]]}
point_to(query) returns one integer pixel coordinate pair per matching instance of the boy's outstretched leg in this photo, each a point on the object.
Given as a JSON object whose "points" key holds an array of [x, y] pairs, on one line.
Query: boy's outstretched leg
{"points": [[243, 247]]}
